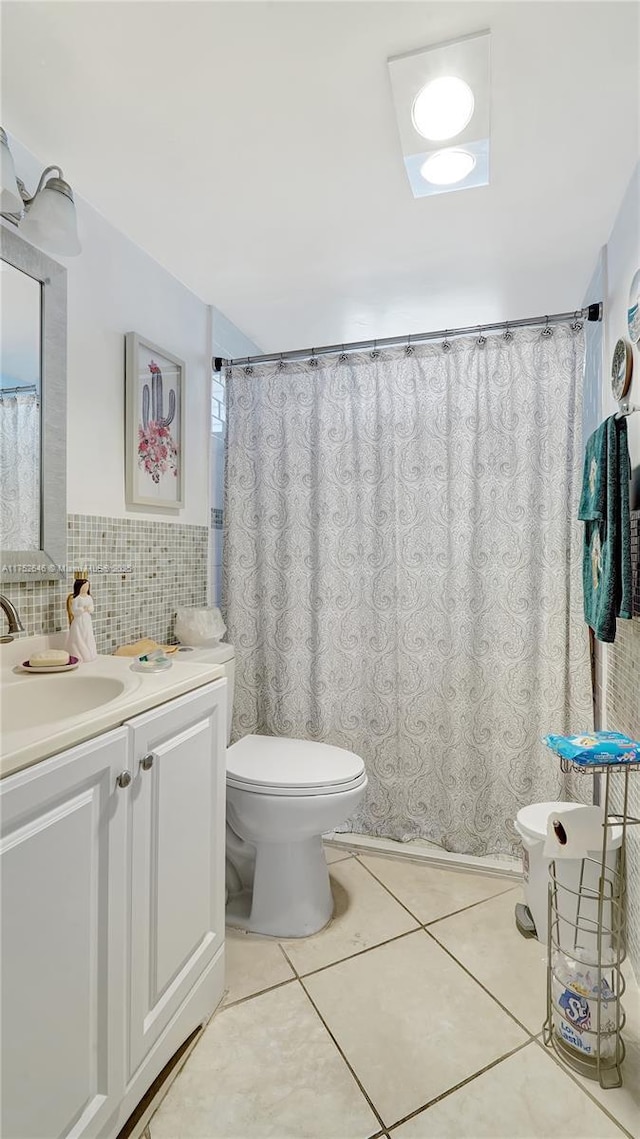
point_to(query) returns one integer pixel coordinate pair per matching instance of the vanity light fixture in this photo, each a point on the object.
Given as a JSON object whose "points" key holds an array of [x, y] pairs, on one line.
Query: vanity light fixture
{"points": [[48, 217]]}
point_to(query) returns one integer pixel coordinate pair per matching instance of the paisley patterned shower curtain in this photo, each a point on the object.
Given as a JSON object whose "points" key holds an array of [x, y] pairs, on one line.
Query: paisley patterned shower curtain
{"points": [[402, 572]]}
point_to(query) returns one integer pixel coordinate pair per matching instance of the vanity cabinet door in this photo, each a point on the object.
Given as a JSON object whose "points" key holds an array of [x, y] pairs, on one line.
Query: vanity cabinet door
{"points": [[177, 857], [63, 880]]}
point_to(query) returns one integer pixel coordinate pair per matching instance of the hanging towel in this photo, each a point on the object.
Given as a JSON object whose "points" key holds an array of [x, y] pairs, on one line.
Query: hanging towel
{"points": [[604, 508]]}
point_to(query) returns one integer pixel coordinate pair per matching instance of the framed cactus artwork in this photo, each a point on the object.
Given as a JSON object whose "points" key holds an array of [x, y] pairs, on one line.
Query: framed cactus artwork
{"points": [[154, 428]]}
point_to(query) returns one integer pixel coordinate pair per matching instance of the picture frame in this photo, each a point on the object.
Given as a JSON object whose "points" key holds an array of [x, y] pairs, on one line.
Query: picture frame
{"points": [[154, 425]]}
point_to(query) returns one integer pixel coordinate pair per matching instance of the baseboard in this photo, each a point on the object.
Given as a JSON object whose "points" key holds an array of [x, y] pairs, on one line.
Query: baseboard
{"points": [[370, 844]]}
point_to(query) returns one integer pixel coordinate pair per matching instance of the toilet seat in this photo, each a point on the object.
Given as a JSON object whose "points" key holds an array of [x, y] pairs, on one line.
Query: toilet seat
{"points": [[277, 765]]}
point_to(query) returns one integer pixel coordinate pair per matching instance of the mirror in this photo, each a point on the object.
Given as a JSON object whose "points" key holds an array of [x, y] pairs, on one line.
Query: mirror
{"points": [[33, 500], [19, 410]]}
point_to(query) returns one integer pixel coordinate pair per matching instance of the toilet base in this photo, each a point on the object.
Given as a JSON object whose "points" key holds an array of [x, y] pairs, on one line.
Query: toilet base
{"points": [[291, 894]]}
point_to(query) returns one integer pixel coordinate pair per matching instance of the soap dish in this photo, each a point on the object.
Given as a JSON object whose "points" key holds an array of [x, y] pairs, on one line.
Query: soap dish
{"points": [[35, 670]]}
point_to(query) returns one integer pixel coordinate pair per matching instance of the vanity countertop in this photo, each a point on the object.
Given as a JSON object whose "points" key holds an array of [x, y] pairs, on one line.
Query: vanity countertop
{"points": [[41, 715]]}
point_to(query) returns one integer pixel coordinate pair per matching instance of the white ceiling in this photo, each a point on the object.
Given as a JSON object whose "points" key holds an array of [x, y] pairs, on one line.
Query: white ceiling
{"points": [[252, 149]]}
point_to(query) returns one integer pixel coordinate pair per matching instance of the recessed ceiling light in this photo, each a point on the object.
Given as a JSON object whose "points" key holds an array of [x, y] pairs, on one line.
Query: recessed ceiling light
{"points": [[446, 167], [443, 108]]}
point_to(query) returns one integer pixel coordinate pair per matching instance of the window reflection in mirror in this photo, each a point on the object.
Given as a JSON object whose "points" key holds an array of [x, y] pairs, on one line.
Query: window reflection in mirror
{"points": [[20, 375]]}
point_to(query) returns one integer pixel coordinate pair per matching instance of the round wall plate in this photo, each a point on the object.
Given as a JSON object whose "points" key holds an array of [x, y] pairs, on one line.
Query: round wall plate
{"points": [[621, 368], [633, 309]]}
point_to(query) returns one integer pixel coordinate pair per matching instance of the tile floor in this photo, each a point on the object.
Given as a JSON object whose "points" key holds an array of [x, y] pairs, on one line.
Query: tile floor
{"points": [[415, 1014]]}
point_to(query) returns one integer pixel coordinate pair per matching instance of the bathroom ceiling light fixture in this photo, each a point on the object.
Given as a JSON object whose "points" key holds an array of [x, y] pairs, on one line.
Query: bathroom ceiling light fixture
{"points": [[48, 217], [447, 167], [443, 108], [442, 94]]}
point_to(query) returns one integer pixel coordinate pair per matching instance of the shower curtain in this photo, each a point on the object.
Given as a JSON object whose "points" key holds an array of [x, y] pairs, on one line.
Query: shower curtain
{"points": [[402, 572], [19, 471]]}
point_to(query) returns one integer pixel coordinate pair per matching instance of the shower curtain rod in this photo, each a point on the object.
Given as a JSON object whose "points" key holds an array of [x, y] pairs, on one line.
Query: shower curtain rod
{"points": [[591, 312]]}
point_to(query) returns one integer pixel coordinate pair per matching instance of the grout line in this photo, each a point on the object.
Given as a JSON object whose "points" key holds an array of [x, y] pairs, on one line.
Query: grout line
{"points": [[572, 1075], [349, 1065], [456, 1088], [479, 983], [249, 997], [471, 906], [423, 924], [358, 953]]}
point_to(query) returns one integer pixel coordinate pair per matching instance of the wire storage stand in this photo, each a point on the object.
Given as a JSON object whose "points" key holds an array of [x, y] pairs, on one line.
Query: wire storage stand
{"points": [[586, 945]]}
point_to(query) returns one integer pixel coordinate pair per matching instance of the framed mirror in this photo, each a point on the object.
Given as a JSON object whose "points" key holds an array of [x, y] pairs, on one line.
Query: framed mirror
{"points": [[33, 412]]}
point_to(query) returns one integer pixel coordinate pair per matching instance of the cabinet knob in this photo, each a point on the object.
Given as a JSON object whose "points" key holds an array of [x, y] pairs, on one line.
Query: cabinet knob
{"points": [[124, 779], [147, 762]]}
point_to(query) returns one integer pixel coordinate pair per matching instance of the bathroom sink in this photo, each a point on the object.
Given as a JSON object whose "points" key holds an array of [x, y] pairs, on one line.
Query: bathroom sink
{"points": [[39, 700]]}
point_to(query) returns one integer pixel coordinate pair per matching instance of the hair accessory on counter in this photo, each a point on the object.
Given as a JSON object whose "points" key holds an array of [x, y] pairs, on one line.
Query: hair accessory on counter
{"points": [[595, 748], [142, 648]]}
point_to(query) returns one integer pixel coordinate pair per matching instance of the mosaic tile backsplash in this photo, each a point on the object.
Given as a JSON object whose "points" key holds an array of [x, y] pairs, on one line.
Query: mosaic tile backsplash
{"points": [[139, 571]]}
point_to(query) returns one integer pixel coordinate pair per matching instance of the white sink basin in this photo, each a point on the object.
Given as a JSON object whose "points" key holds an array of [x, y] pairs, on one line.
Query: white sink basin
{"points": [[46, 699]]}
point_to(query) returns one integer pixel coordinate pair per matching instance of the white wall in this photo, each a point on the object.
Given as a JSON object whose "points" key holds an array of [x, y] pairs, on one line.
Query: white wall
{"points": [[623, 259], [114, 288]]}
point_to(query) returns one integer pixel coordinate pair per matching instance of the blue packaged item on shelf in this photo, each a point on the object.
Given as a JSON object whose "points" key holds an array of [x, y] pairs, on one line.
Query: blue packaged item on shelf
{"points": [[595, 747]]}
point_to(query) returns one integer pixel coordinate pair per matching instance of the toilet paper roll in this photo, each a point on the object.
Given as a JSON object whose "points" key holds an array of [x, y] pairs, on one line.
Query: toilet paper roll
{"points": [[574, 833]]}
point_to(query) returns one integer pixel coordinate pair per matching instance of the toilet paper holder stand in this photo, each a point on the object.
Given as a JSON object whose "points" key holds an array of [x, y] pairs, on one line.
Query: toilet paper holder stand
{"points": [[586, 943]]}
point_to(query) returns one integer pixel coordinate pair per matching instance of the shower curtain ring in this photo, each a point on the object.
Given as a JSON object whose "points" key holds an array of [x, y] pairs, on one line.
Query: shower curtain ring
{"points": [[313, 361], [507, 334], [576, 324], [374, 352], [343, 355], [482, 340], [547, 330], [409, 347], [281, 362], [446, 343]]}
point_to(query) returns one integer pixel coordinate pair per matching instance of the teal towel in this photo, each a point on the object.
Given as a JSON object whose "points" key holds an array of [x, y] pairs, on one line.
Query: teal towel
{"points": [[604, 508]]}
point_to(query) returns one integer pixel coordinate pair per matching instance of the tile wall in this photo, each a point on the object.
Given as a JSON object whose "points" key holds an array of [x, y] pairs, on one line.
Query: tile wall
{"points": [[140, 571]]}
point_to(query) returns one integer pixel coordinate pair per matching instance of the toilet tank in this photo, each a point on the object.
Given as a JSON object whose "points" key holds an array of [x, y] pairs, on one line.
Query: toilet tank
{"points": [[221, 654]]}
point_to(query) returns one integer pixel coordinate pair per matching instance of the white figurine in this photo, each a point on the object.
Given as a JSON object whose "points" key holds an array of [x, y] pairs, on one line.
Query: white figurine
{"points": [[81, 642]]}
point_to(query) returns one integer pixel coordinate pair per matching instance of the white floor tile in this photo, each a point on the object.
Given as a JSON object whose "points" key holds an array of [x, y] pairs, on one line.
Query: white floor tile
{"points": [[526, 1096], [624, 1102], [485, 940], [430, 892], [411, 1022], [252, 964], [336, 854], [365, 914], [265, 1068]]}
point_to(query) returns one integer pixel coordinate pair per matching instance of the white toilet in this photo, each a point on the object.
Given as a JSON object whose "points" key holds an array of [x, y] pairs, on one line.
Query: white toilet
{"points": [[282, 796]]}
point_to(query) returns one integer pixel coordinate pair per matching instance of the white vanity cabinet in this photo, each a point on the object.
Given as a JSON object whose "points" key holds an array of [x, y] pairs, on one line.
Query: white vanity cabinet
{"points": [[62, 867], [112, 864], [177, 858]]}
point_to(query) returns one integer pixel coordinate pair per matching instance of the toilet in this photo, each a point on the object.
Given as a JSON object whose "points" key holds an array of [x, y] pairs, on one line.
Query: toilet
{"points": [[282, 796]]}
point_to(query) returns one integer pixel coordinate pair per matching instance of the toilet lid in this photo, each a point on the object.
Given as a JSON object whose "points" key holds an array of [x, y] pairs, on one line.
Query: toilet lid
{"points": [[276, 761]]}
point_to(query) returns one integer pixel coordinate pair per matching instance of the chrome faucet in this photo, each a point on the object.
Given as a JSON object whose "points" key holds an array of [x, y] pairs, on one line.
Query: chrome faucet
{"points": [[11, 613]]}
